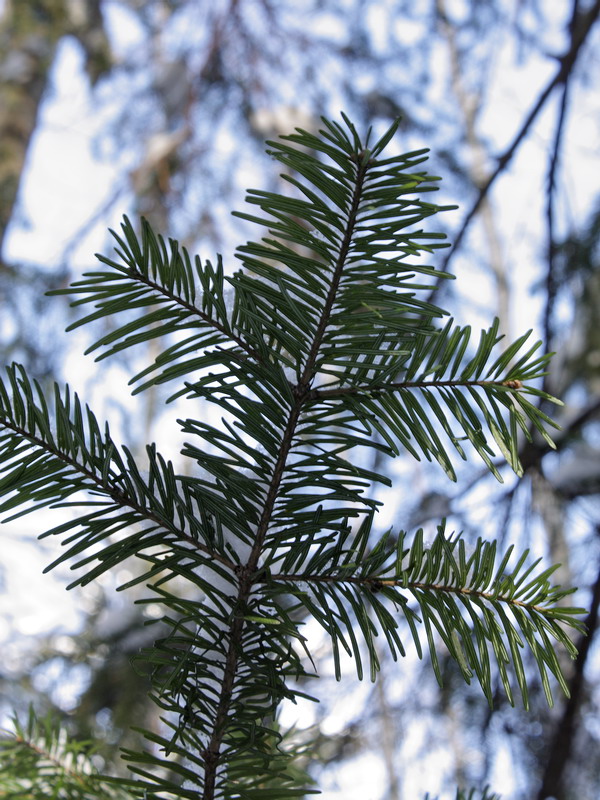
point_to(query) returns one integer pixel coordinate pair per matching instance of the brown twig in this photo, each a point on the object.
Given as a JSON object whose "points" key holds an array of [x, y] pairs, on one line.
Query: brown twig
{"points": [[580, 31]]}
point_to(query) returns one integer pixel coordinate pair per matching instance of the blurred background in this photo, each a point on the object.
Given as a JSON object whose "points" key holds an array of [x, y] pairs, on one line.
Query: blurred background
{"points": [[161, 108]]}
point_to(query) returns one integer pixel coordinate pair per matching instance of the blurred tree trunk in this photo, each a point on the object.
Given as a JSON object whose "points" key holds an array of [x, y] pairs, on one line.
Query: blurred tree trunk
{"points": [[554, 782], [30, 31]]}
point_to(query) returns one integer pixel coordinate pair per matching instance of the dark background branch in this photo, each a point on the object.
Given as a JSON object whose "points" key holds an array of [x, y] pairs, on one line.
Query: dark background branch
{"points": [[579, 32], [564, 736]]}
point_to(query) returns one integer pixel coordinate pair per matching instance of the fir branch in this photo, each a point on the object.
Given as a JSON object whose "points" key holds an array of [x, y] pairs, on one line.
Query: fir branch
{"points": [[301, 389], [47, 468], [38, 758], [327, 346], [433, 575], [148, 276], [375, 584]]}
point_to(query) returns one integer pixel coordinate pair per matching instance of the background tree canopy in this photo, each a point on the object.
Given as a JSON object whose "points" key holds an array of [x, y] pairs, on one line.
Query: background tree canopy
{"points": [[172, 101]]}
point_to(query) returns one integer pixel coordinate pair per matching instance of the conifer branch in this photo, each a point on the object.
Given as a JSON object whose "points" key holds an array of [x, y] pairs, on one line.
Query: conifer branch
{"points": [[327, 394], [247, 576], [60, 471], [375, 584], [327, 349]]}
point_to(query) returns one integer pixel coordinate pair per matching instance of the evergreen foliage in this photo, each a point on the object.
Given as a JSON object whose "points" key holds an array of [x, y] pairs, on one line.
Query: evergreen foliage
{"points": [[321, 348], [37, 760]]}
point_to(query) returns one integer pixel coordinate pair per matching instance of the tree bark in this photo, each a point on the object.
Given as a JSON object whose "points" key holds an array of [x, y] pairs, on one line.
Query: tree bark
{"points": [[30, 31], [562, 743]]}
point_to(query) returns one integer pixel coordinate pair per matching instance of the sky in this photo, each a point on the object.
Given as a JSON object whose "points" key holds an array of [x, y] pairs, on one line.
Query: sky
{"points": [[66, 184]]}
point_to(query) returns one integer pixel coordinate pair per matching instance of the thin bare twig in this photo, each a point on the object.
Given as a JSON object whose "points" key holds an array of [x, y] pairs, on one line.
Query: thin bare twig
{"points": [[552, 168], [580, 32]]}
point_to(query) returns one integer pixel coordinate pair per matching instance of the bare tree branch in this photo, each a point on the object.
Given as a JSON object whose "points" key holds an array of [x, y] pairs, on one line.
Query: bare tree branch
{"points": [[579, 33], [552, 168], [562, 744]]}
